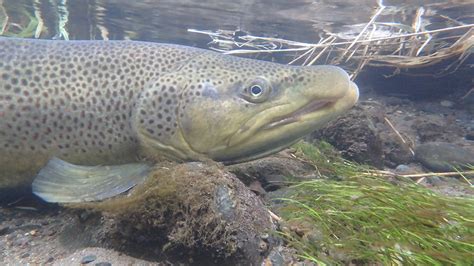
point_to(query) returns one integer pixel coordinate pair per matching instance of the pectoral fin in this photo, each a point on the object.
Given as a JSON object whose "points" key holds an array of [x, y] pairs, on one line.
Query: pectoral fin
{"points": [[62, 182]]}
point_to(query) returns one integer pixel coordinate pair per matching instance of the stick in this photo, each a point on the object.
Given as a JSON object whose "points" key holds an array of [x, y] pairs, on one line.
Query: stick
{"points": [[467, 94], [438, 174], [399, 135], [374, 17], [307, 45], [274, 216], [389, 173]]}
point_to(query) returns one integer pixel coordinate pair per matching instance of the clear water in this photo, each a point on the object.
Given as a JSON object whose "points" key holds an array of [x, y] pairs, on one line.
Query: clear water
{"points": [[299, 20]]}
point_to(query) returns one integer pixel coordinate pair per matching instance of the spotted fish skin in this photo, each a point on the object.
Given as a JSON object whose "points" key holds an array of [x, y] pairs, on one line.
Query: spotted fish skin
{"points": [[75, 100], [107, 102]]}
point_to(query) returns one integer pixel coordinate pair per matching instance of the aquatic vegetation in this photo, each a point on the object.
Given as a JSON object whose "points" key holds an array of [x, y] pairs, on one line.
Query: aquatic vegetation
{"points": [[354, 215], [17, 30], [19, 21]]}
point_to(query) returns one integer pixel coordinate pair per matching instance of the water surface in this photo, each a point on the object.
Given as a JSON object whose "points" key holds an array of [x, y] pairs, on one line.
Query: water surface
{"points": [[168, 20]]}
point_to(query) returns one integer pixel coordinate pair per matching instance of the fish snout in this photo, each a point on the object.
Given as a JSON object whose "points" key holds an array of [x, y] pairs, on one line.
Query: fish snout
{"points": [[354, 92], [326, 82]]}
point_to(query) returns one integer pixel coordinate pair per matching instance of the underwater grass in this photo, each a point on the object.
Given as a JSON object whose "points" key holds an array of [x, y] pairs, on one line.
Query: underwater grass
{"points": [[354, 216]]}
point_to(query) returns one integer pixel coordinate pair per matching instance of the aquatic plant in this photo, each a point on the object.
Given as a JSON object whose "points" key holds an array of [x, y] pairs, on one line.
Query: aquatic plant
{"points": [[353, 215], [17, 30]]}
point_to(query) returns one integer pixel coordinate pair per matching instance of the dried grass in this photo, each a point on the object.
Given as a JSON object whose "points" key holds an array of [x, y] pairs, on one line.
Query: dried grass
{"points": [[401, 46]]}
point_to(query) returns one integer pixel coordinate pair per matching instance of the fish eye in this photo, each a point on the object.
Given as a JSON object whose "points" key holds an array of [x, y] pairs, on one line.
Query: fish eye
{"points": [[256, 90]]}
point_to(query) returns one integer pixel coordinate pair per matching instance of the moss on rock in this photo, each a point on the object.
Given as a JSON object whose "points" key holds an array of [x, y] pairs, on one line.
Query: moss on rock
{"points": [[194, 208]]}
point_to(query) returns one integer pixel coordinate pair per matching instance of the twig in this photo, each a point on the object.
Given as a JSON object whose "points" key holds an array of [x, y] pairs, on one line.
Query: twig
{"points": [[306, 46], [465, 179], [467, 94], [321, 53], [274, 216], [399, 135], [420, 180], [374, 17], [420, 175], [439, 174], [311, 50]]}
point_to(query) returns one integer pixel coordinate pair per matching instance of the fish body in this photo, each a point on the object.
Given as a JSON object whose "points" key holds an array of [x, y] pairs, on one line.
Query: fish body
{"points": [[113, 102], [74, 100]]}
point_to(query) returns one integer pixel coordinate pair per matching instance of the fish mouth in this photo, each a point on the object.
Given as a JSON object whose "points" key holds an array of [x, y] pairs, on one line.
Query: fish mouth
{"points": [[311, 107], [268, 134]]}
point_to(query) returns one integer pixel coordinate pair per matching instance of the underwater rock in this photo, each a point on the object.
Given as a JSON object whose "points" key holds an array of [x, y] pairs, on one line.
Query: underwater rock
{"points": [[402, 168], [104, 257], [447, 186], [103, 264], [275, 258], [196, 210], [442, 156], [431, 131], [469, 136], [88, 259], [273, 172], [446, 103], [355, 135]]}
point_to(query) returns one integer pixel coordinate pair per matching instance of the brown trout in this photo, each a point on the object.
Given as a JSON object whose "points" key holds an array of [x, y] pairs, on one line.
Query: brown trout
{"points": [[111, 105]]}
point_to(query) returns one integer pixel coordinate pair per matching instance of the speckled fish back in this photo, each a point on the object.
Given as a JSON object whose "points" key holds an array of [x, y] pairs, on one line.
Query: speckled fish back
{"points": [[75, 99]]}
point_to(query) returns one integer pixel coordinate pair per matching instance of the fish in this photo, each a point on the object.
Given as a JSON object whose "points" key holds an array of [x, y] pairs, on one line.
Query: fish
{"points": [[83, 120]]}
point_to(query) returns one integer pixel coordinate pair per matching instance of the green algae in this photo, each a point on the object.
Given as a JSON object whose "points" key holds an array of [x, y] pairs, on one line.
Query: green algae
{"points": [[24, 27], [353, 216]]}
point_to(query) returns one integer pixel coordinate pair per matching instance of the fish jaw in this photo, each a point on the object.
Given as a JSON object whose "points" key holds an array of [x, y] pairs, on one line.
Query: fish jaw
{"points": [[269, 132]]}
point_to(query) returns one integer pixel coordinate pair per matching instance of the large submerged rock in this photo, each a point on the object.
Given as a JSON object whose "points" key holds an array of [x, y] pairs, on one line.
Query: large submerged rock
{"points": [[273, 172], [356, 136], [193, 210], [442, 156]]}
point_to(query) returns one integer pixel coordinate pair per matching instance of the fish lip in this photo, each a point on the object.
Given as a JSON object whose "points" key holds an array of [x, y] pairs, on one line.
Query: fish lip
{"points": [[297, 115]]}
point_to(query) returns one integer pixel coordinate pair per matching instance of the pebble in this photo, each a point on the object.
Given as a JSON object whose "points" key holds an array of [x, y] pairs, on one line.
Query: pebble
{"points": [[257, 188], [435, 180], [21, 241], [446, 103], [262, 247], [103, 264], [275, 258], [470, 136], [402, 168], [88, 259], [4, 230]]}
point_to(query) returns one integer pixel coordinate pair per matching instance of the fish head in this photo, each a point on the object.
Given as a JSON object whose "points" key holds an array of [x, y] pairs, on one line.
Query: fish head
{"points": [[232, 109]]}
